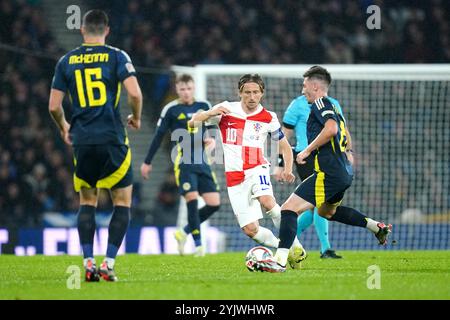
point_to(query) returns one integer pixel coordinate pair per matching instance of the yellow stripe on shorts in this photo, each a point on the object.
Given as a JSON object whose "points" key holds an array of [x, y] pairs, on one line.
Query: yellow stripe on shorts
{"points": [[114, 178], [78, 183], [320, 189]]}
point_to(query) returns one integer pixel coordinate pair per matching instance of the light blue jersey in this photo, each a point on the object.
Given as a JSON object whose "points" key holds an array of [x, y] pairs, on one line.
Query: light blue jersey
{"points": [[297, 115]]}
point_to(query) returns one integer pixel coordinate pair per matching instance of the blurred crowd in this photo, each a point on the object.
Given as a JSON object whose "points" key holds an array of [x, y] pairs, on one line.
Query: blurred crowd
{"points": [[279, 31], [35, 165], [164, 33]]}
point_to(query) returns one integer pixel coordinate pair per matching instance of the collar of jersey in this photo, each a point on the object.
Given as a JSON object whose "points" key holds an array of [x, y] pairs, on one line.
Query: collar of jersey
{"points": [[92, 44], [259, 108]]}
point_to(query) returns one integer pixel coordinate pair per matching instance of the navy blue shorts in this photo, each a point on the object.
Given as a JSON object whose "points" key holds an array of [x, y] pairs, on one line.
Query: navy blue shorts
{"points": [[195, 177], [303, 170], [320, 187], [102, 166]]}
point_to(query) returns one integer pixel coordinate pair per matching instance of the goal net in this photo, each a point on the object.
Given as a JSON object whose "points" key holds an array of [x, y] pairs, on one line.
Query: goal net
{"points": [[400, 122]]}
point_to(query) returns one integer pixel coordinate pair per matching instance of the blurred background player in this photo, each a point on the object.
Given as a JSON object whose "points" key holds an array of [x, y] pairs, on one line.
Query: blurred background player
{"points": [[330, 146], [244, 127], [295, 119], [92, 74], [193, 174]]}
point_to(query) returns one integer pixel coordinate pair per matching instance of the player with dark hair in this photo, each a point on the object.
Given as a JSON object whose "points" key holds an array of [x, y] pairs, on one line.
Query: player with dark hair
{"points": [[333, 172], [92, 74], [193, 173], [294, 124]]}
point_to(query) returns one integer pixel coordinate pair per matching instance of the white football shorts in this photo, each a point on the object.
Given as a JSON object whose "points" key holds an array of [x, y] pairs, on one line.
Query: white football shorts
{"points": [[243, 197]]}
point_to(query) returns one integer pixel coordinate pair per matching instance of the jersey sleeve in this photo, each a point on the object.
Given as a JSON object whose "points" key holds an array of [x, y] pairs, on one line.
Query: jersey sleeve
{"points": [[291, 117], [275, 129], [125, 67], [59, 79], [207, 107], [163, 123], [162, 126], [323, 110], [216, 119]]}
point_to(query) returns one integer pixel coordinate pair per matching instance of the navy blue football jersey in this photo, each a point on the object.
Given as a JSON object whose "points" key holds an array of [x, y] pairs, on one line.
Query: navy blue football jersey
{"points": [[92, 75], [329, 158], [175, 116]]}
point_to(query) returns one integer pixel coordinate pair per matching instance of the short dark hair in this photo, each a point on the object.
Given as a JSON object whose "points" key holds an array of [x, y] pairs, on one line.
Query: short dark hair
{"points": [[184, 78], [254, 77], [95, 22], [318, 73]]}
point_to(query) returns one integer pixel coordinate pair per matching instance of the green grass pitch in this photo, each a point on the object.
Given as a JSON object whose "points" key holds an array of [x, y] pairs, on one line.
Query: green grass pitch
{"points": [[403, 275]]}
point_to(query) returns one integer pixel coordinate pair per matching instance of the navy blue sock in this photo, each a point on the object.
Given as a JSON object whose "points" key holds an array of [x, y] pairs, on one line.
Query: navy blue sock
{"points": [[204, 214], [86, 229], [349, 216], [194, 221], [117, 229], [111, 251], [288, 228]]}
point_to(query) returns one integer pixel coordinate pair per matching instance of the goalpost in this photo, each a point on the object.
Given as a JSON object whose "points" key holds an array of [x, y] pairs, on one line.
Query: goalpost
{"points": [[399, 116]]}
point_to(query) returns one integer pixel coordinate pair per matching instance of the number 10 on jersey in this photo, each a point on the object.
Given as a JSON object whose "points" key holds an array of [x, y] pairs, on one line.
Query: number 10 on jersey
{"points": [[231, 135]]}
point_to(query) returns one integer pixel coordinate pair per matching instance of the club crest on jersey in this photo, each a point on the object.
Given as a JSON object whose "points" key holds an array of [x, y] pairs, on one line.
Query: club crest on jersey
{"points": [[186, 186], [257, 126]]}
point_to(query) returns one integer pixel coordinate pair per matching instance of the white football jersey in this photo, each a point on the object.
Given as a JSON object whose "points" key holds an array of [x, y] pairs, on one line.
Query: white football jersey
{"points": [[243, 138]]}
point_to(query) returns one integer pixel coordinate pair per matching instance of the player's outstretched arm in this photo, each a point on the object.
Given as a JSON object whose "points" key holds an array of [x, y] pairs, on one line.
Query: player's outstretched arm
{"points": [[146, 166], [162, 127], [286, 151], [200, 117], [134, 101], [57, 113], [328, 132]]}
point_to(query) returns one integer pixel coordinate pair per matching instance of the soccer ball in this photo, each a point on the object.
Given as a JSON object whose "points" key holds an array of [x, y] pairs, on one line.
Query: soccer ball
{"points": [[255, 255]]}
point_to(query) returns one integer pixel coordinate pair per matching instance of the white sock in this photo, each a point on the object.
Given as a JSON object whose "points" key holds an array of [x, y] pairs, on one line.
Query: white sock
{"points": [[372, 225], [275, 214], [85, 261], [110, 262], [265, 237], [281, 256]]}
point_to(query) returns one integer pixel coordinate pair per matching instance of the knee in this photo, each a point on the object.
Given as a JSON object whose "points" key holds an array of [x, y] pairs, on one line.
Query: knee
{"points": [[327, 214], [122, 197], [88, 202], [191, 196], [214, 203], [290, 207], [122, 203], [251, 230], [267, 202], [88, 197]]}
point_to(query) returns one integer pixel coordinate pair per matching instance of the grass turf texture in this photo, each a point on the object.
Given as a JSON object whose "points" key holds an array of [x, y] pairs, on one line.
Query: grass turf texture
{"points": [[404, 275]]}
